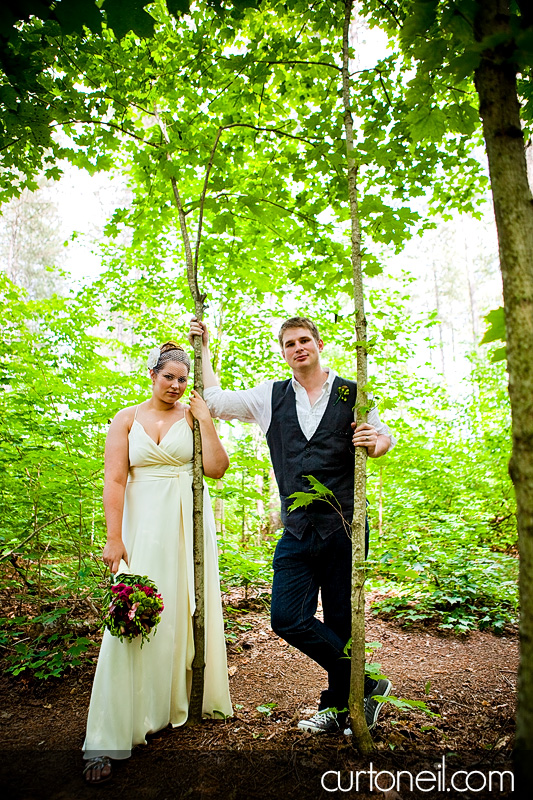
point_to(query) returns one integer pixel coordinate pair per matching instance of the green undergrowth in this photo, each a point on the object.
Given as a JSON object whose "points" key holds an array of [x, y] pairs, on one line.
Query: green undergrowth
{"points": [[460, 590], [48, 629], [44, 646], [249, 569]]}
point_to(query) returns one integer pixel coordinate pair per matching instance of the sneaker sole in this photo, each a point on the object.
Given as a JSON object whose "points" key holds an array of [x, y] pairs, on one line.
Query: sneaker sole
{"points": [[312, 729], [380, 705]]}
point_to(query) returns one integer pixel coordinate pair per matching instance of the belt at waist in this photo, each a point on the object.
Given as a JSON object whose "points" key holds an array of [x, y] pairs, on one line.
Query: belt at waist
{"points": [[154, 473]]}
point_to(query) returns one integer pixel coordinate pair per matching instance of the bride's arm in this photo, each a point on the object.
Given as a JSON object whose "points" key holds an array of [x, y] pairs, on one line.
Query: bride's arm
{"points": [[115, 478], [215, 460]]}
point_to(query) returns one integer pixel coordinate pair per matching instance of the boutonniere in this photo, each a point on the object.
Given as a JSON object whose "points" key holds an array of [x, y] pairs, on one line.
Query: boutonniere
{"points": [[342, 394]]}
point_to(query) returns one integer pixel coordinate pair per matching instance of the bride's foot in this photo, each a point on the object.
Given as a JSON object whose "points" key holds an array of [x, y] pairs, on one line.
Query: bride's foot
{"points": [[98, 770]]}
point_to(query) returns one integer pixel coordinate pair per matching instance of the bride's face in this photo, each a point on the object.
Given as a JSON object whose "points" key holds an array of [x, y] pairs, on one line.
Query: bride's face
{"points": [[170, 382]]}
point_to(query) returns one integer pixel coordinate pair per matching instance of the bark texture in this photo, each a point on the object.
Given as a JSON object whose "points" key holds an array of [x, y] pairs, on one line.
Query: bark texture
{"points": [[361, 735], [198, 620], [513, 206]]}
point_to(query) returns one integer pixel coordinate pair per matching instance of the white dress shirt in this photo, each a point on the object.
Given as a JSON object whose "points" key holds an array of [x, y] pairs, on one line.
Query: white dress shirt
{"points": [[255, 405]]}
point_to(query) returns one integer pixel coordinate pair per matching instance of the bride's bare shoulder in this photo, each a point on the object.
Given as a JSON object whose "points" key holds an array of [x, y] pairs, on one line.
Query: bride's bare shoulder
{"points": [[124, 418]]}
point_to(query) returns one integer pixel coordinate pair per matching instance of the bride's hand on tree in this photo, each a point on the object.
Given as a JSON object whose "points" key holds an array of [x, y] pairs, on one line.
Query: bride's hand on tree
{"points": [[215, 460], [113, 552], [198, 407]]}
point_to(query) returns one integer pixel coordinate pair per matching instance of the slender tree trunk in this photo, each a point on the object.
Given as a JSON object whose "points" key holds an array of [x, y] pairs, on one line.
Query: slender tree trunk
{"points": [[274, 513], [244, 527], [437, 304], [219, 501], [259, 481], [361, 735], [513, 205], [471, 295], [380, 517], [219, 512], [198, 620]]}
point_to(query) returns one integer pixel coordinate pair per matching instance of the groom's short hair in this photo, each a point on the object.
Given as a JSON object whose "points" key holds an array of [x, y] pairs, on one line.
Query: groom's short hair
{"points": [[298, 322]]}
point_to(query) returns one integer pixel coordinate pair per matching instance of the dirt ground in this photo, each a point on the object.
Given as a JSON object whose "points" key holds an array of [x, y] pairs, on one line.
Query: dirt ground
{"points": [[259, 753]]}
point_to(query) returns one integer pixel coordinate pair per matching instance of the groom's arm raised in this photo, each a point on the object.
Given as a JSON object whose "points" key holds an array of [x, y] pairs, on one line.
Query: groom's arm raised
{"points": [[247, 405]]}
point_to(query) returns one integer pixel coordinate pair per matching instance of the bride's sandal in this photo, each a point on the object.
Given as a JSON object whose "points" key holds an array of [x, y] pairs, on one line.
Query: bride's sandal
{"points": [[98, 770]]}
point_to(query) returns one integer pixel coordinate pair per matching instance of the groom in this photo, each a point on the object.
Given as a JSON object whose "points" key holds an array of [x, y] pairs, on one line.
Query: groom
{"points": [[309, 427]]}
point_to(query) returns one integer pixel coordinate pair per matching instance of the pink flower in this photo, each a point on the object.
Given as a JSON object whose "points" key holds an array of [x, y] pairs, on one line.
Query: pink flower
{"points": [[134, 608]]}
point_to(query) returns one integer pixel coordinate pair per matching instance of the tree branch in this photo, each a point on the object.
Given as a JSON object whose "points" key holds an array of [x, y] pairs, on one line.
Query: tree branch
{"points": [[300, 61], [393, 15], [32, 534], [384, 88], [109, 125], [202, 197]]}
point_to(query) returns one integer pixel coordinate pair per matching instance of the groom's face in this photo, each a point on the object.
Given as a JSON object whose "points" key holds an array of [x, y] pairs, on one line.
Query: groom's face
{"points": [[300, 350]]}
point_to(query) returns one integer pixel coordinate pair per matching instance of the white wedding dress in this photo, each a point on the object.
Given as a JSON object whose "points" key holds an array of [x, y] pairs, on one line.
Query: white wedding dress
{"points": [[136, 691]]}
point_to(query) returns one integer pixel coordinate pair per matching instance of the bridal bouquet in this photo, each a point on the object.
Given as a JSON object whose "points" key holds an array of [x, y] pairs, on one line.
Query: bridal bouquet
{"points": [[133, 607]]}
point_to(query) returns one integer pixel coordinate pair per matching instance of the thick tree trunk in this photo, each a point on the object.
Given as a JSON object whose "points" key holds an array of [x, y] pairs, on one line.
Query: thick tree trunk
{"points": [[361, 735], [513, 206]]}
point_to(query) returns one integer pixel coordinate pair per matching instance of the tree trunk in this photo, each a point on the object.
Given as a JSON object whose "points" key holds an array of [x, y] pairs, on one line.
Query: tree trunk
{"points": [[471, 294], [437, 306], [380, 514], [259, 481], [499, 108], [198, 621], [219, 511], [274, 512], [217, 361], [361, 735]]}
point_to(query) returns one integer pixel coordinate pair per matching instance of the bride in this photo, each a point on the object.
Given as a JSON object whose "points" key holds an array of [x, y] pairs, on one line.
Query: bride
{"points": [[148, 510]]}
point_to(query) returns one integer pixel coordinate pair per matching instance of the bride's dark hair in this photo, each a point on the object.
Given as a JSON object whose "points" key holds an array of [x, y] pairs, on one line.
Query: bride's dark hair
{"points": [[170, 351]]}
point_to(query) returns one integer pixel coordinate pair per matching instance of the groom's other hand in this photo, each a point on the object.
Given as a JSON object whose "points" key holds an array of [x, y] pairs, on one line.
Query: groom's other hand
{"points": [[197, 328]]}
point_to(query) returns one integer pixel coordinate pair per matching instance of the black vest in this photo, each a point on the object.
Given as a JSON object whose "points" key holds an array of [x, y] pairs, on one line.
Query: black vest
{"points": [[328, 456]]}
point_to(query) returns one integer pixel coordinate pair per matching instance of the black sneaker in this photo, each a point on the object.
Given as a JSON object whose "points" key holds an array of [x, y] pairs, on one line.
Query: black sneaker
{"points": [[326, 721], [372, 705]]}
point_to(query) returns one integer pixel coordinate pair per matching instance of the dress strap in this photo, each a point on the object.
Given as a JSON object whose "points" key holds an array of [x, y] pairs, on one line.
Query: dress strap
{"points": [[136, 409]]}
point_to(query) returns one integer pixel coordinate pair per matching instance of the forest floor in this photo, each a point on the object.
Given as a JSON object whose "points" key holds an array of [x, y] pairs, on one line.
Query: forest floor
{"points": [[469, 681]]}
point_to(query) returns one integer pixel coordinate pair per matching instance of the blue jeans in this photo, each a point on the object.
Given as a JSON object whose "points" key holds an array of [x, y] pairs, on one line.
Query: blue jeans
{"points": [[302, 567]]}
